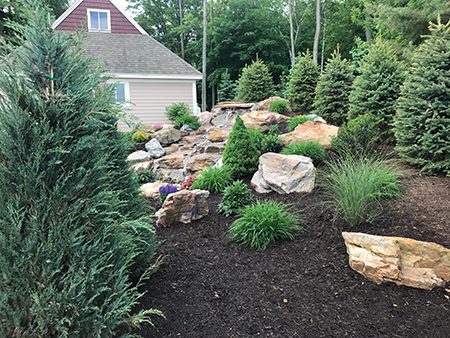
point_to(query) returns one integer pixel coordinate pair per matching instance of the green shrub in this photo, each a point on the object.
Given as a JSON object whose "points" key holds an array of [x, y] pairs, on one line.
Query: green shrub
{"points": [[256, 137], [240, 154], [139, 137], [311, 149], [190, 120], [263, 222], [255, 83], [235, 197], [358, 186], [333, 89], [293, 122], [278, 106], [422, 123], [212, 179], [270, 143], [176, 110], [73, 225], [274, 130], [302, 84], [356, 137], [144, 176]]}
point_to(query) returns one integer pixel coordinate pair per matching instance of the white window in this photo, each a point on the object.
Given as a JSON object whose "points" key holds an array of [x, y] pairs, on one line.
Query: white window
{"points": [[99, 20], [122, 92]]}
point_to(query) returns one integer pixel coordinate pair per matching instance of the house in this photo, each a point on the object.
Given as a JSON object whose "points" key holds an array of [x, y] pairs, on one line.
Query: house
{"points": [[150, 75]]}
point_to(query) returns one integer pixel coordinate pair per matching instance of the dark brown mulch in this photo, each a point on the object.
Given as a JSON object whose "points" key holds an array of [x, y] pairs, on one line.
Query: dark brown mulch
{"points": [[211, 287]]}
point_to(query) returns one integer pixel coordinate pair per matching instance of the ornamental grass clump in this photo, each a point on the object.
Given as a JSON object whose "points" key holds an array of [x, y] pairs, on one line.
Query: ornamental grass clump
{"points": [[213, 179], [311, 149], [358, 186], [235, 197], [264, 222]]}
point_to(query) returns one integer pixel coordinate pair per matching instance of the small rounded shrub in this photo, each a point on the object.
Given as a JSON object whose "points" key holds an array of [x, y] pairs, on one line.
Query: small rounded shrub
{"points": [[270, 143], [256, 137], [278, 106], [190, 120], [235, 197], [296, 120], [311, 149], [139, 136], [264, 222], [177, 109], [212, 179]]}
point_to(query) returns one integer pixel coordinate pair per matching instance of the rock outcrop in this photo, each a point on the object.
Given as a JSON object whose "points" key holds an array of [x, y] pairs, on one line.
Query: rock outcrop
{"points": [[167, 135], [259, 119], [138, 156], [183, 206], [154, 148], [151, 190], [311, 131], [284, 174], [399, 260]]}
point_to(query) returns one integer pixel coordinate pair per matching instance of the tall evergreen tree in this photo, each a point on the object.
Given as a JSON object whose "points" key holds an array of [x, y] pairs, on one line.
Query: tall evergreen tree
{"points": [[227, 88], [73, 226], [255, 83], [422, 122], [377, 87], [302, 84], [333, 89]]}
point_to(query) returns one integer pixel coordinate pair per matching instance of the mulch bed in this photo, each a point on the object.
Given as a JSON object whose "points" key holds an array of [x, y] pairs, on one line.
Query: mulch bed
{"points": [[209, 286]]}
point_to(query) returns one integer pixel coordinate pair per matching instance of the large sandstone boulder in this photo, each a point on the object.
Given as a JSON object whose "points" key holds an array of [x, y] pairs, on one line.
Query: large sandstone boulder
{"points": [[167, 135], [138, 156], [311, 131], [202, 161], [218, 135], [172, 161], [284, 174], [154, 148], [260, 119], [172, 176], [183, 206], [400, 260]]}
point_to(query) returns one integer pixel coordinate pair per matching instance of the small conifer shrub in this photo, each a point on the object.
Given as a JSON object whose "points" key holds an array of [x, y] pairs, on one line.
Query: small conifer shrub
{"points": [[256, 137], [240, 154], [235, 197], [255, 83]]}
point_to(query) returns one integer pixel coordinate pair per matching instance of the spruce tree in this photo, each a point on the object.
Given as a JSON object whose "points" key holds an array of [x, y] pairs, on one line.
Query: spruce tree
{"points": [[302, 83], [240, 154], [227, 88], [73, 226], [255, 83], [422, 122], [333, 89], [377, 88]]}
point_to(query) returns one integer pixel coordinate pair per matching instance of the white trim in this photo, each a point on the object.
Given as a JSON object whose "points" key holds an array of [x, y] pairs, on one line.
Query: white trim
{"points": [[108, 20], [119, 8], [194, 98], [158, 76]]}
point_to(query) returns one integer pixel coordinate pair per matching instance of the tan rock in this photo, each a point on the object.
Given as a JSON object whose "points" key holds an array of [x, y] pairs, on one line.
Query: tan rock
{"points": [[218, 135], [311, 131], [151, 190], [205, 118], [192, 139], [201, 161], [173, 148], [142, 166], [208, 147], [172, 176], [399, 260], [172, 161], [183, 206], [260, 119], [167, 135]]}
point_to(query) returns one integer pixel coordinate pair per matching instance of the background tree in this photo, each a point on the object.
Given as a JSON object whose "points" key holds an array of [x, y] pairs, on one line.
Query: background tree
{"points": [[227, 88], [73, 226], [333, 89], [377, 88], [422, 122], [255, 83]]}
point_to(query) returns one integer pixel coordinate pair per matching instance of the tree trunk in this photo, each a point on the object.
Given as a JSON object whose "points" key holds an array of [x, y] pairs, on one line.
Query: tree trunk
{"points": [[368, 32], [181, 34], [205, 25], [316, 37], [292, 34], [323, 34]]}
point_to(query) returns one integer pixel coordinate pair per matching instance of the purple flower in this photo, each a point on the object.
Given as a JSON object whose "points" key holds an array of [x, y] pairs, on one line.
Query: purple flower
{"points": [[157, 126], [165, 191], [272, 118]]}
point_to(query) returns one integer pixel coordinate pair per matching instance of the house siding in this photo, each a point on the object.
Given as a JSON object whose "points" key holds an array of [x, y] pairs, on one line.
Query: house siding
{"points": [[150, 98], [78, 18]]}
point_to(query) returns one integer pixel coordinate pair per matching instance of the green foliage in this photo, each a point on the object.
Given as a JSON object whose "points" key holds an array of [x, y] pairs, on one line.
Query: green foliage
{"points": [[359, 185], [422, 123], [227, 88], [73, 226], [255, 83], [274, 130], [190, 120], [240, 154], [212, 179], [302, 84], [176, 110], [377, 88], [235, 197], [144, 176], [139, 136], [264, 222], [293, 122], [333, 89], [355, 137], [270, 143], [278, 106], [256, 137], [311, 149]]}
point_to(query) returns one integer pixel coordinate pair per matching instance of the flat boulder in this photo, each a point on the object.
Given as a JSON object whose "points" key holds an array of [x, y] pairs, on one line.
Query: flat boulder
{"points": [[151, 190], [184, 206], [167, 135], [172, 161], [403, 261], [284, 174], [259, 119], [310, 131], [138, 156], [202, 161], [218, 135]]}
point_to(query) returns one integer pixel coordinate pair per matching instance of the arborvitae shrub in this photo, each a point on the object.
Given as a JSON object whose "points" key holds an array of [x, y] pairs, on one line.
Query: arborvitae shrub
{"points": [[376, 90], [422, 123], [332, 91], [227, 88], [255, 83], [302, 84], [240, 154], [73, 226]]}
